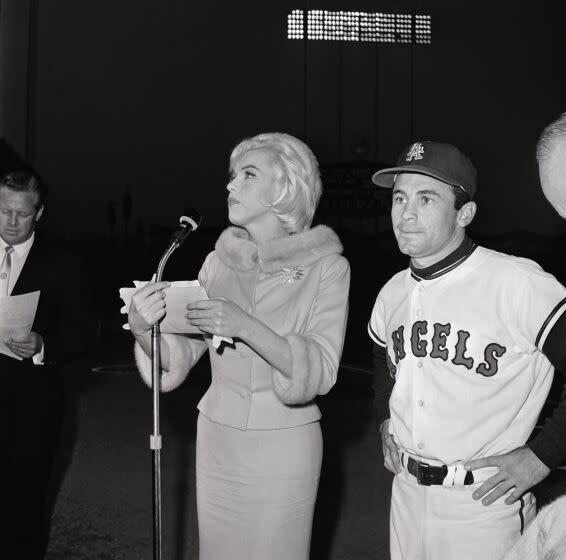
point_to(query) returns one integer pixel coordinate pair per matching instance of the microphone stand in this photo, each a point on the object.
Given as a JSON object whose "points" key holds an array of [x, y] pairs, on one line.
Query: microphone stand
{"points": [[155, 438], [188, 224]]}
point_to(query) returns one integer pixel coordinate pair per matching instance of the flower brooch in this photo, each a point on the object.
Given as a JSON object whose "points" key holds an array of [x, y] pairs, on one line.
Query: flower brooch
{"points": [[290, 274]]}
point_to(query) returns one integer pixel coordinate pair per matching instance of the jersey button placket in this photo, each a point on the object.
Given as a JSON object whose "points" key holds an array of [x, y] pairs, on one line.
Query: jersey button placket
{"points": [[416, 302], [417, 388], [419, 420], [419, 412]]}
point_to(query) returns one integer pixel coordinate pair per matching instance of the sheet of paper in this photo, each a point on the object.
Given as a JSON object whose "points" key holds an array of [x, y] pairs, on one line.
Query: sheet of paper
{"points": [[17, 314], [177, 297]]}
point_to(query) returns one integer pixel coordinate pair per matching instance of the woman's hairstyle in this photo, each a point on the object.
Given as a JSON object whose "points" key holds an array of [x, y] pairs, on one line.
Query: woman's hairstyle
{"points": [[297, 177]]}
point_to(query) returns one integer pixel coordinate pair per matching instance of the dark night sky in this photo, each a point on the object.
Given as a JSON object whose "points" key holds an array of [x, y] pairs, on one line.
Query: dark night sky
{"points": [[151, 96]]}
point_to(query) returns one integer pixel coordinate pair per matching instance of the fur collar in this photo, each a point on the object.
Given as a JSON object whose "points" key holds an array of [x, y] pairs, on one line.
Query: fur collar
{"points": [[236, 251]]}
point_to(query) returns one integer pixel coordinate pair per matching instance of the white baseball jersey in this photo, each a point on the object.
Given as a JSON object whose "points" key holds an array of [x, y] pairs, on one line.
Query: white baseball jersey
{"points": [[464, 347]]}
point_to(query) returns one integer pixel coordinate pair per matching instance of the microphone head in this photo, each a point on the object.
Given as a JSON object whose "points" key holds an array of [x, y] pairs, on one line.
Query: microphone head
{"points": [[191, 221], [187, 223]]}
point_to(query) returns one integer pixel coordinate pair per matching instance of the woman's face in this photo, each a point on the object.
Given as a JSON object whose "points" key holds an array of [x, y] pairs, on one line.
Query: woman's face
{"points": [[251, 189]]}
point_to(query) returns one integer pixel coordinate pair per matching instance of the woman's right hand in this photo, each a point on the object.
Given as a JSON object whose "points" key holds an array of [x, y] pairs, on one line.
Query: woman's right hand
{"points": [[147, 307]]}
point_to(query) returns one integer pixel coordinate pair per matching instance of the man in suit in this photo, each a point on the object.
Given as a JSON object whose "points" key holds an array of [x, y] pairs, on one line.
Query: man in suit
{"points": [[31, 395]]}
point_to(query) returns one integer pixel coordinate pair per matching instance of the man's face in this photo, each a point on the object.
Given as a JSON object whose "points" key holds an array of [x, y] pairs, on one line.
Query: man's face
{"points": [[18, 215], [423, 215]]}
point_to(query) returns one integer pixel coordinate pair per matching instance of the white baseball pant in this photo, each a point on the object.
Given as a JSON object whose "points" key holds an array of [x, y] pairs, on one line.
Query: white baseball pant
{"points": [[446, 523]]}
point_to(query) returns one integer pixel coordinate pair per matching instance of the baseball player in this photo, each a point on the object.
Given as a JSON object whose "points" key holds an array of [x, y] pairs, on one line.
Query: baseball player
{"points": [[469, 338]]}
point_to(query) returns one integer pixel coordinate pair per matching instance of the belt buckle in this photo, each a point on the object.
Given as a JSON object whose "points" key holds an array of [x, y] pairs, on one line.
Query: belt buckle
{"points": [[421, 473]]}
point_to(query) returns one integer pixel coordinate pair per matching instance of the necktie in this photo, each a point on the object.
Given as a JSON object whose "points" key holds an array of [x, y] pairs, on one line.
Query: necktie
{"points": [[5, 273]]}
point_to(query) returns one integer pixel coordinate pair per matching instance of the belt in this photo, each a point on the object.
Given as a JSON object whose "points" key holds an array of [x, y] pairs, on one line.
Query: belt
{"points": [[428, 475]]}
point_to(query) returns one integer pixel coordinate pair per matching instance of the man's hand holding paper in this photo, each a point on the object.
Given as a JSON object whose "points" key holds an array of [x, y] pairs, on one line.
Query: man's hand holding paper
{"points": [[17, 314], [25, 346]]}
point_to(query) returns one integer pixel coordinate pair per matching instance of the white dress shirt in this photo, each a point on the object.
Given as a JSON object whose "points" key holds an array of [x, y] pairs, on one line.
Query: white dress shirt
{"points": [[19, 257]]}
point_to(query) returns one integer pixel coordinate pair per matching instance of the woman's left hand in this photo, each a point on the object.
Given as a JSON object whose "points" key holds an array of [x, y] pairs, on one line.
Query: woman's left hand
{"points": [[219, 316]]}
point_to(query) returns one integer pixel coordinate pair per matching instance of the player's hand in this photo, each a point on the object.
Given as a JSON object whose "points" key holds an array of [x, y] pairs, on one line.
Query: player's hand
{"points": [[25, 346], [391, 458], [519, 469], [218, 316], [147, 307]]}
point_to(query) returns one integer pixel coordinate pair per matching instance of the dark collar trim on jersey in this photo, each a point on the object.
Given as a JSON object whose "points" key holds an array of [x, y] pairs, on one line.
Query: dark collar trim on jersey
{"points": [[454, 259]]}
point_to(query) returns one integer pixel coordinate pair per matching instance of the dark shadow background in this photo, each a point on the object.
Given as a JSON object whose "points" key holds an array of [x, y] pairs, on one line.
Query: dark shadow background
{"points": [[129, 110], [148, 98]]}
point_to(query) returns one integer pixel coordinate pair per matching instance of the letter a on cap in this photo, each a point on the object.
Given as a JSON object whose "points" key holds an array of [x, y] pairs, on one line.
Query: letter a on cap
{"points": [[415, 152]]}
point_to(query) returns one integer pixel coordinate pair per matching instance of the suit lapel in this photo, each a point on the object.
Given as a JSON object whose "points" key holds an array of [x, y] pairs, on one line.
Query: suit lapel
{"points": [[30, 278]]}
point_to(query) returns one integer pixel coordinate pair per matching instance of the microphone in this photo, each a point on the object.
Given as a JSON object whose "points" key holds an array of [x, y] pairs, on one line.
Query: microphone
{"points": [[188, 223]]}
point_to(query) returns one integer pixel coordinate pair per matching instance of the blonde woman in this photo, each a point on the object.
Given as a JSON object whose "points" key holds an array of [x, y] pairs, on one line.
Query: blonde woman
{"points": [[279, 288]]}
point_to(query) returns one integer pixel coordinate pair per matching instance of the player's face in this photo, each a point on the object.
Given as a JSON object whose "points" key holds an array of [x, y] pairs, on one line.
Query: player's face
{"points": [[425, 221], [251, 189], [18, 215]]}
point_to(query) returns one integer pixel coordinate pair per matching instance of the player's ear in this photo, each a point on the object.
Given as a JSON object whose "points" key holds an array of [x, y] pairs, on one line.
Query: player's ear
{"points": [[466, 214], [39, 213]]}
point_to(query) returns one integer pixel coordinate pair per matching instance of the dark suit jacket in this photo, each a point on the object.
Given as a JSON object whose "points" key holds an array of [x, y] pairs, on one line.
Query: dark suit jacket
{"points": [[31, 396]]}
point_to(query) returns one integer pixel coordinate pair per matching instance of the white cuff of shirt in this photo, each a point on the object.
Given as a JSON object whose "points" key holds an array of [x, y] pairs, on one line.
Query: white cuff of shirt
{"points": [[38, 358]]}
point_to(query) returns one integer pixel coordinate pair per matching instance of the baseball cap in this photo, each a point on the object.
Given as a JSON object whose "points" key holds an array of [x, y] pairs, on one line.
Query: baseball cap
{"points": [[441, 161]]}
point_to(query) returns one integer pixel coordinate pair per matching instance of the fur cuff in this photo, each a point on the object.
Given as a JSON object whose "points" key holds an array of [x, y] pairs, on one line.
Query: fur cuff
{"points": [[169, 379], [307, 373]]}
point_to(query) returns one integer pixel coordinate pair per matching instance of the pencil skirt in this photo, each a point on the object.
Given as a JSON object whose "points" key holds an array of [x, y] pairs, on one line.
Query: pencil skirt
{"points": [[256, 491]]}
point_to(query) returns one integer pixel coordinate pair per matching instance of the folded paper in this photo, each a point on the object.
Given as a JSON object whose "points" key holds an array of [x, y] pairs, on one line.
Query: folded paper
{"points": [[177, 297], [17, 314]]}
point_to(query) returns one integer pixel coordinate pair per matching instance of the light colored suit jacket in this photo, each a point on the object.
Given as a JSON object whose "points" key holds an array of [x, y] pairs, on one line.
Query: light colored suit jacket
{"points": [[298, 286]]}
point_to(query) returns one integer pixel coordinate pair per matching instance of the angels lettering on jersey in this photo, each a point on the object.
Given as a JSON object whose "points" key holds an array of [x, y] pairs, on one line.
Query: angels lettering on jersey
{"points": [[437, 347]]}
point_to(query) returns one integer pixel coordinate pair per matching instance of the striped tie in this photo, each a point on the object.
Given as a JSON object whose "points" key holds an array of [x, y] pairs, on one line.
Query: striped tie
{"points": [[6, 267]]}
